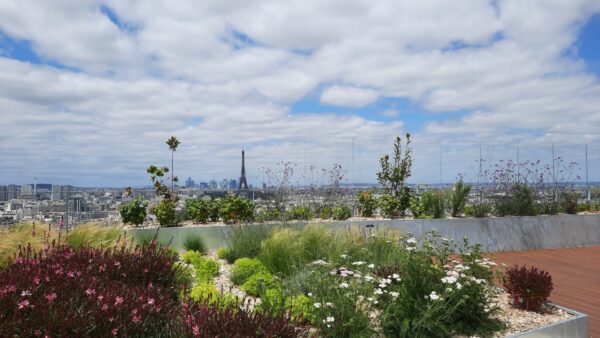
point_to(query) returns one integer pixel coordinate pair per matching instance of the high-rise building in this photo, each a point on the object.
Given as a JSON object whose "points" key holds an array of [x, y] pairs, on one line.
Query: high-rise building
{"points": [[189, 183], [233, 184], [12, 192], [3, 193], [56, 193]]}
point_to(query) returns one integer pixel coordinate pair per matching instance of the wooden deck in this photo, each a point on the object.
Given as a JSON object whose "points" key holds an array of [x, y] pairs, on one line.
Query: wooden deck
{"points": [[575, 273]]}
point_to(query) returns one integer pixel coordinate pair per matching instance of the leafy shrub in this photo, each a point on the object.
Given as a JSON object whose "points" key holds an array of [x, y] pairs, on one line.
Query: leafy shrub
{"points": [[367, 203], [300, 213], [194, 242], [325, 213], [235, 209], [205, 320], [458, 197], [277, 301], [478, 210], [246, 240], [206, 269], [244, 268], [259, 282], [315, 240], [282, 251], [206, 293], [520, 201], [434, 203], [568, 202], [529, 288], [223, 252], [417, 209], [547, 207], [165, 213], [341, 212], [90, 292], [390, 206], [268, 215], [134, 212], [191, 256], [198, 209]]}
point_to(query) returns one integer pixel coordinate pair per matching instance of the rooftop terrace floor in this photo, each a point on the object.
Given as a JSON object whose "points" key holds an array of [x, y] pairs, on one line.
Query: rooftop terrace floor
{"points": [[575, 273]]}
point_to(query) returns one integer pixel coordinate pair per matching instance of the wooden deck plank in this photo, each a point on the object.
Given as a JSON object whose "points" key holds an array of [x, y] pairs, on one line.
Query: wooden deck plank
{"points": [[575, 273]]}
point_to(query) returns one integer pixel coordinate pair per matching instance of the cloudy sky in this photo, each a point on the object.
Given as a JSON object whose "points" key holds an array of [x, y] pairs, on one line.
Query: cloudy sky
{"points": [[90, 90]]}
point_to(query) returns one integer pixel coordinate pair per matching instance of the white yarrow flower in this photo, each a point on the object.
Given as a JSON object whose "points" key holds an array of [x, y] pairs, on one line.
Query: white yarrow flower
{"points": [[317, 305], [371, 266], [434, 296], [395, 294], [411, 240], [343, 285]]}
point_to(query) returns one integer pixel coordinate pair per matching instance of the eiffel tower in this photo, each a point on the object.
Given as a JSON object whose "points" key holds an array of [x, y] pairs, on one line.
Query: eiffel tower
{"points": [[243, 183]]}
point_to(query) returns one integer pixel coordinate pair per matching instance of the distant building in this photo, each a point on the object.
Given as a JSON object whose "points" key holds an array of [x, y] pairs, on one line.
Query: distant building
{"points": [[3, 193], [233, 184], [213, 184], [189, 183], [12, 192], [56, 193], [224, 184], [203, 185]]}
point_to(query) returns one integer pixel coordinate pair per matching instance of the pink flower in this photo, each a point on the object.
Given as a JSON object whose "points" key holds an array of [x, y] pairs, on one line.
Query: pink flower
{"points": [[37, 332], [71, 274], [145, 270], [118, 301], [11, 288], [36, 280], [115, 331], [196, 330], [136, 319], [90, 292], [23, 304], [51, 297], [25, 293], [100, 298], [104, 307], [151, 301]]}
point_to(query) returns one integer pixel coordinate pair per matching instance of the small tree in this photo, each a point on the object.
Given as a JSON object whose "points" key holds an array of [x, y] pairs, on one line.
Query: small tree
{"points": [[458, 198], [134, 212], [165, 209], [393, 175], [173, 143]]}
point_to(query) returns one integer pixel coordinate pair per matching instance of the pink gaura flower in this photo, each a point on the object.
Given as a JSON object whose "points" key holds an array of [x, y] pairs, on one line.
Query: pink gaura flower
{"points": [[118, 301], [151, 301], [115, 331], [51, 297], [36, 280], [37, 332], [23, 304], [90, 292], [104, 307], [136, 319], [196, 331]]}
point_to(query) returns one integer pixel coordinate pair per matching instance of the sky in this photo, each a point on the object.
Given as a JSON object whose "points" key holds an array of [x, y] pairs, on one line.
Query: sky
{"points": [[91, 90]]}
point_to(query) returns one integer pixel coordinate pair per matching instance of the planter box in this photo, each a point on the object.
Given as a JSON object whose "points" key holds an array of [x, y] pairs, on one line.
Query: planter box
{"points": [[574, 327]]}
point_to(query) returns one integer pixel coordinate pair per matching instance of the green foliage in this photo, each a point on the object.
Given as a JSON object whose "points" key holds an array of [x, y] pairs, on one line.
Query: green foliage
{"points": [[315, 240], [94, 235], [185, 273], [300, 213], [199, 209], [282, 251], [341, 212], [478, 210], [390, 207], [206, 268], [568, 202], [325, 213], [207, 293], [434, 203], [258, 283], [268, 216], [223, 252], [245, 268], [520, 201], [235, 209], [246, 240], [417, 209], [194, 242], [276, 301], [458, 197], [134, 212], [367, 203], [165, 213], [393, 176]]}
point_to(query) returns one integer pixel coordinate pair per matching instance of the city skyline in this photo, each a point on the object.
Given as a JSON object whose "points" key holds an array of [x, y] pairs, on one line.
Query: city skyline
{"points": [[90, 90]]}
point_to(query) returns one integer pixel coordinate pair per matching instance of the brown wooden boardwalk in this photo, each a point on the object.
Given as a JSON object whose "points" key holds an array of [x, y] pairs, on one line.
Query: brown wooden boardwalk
{"points": [[575, 273]]}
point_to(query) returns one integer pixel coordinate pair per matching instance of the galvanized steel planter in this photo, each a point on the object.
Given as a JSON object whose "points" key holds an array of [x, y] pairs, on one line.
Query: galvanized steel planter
{"points": [[574, 327]]}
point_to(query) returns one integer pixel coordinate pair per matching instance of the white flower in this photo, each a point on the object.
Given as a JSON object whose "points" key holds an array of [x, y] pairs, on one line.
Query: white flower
{"points": [[449, 290], [411, 240], [317, 305], [382, 285], [343, 285], [309, 294], [449, 280], [343, 256], [458, 286], [330, 319], [452, 273], [396, 276], [369, 278], [320, 262], [358, 263], [328, 304], [371, 266], [378, 292], [370, 299], [395, 294], [410, 248], [434, 296]]}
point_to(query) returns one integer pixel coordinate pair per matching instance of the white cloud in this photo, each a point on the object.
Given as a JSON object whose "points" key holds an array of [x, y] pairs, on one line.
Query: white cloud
{"points": [[348, 96], [222, 75]]}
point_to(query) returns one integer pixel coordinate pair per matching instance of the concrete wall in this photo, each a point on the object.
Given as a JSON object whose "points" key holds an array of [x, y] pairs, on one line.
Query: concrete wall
{"points": [[494, 234]]}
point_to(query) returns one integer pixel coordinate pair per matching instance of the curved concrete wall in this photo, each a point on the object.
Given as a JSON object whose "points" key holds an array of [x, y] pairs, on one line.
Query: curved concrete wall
{"points": [[494, 234]]}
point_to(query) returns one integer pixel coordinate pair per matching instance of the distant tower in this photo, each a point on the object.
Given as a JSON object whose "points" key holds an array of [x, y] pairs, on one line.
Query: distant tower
{"points": [[243, 183]]}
